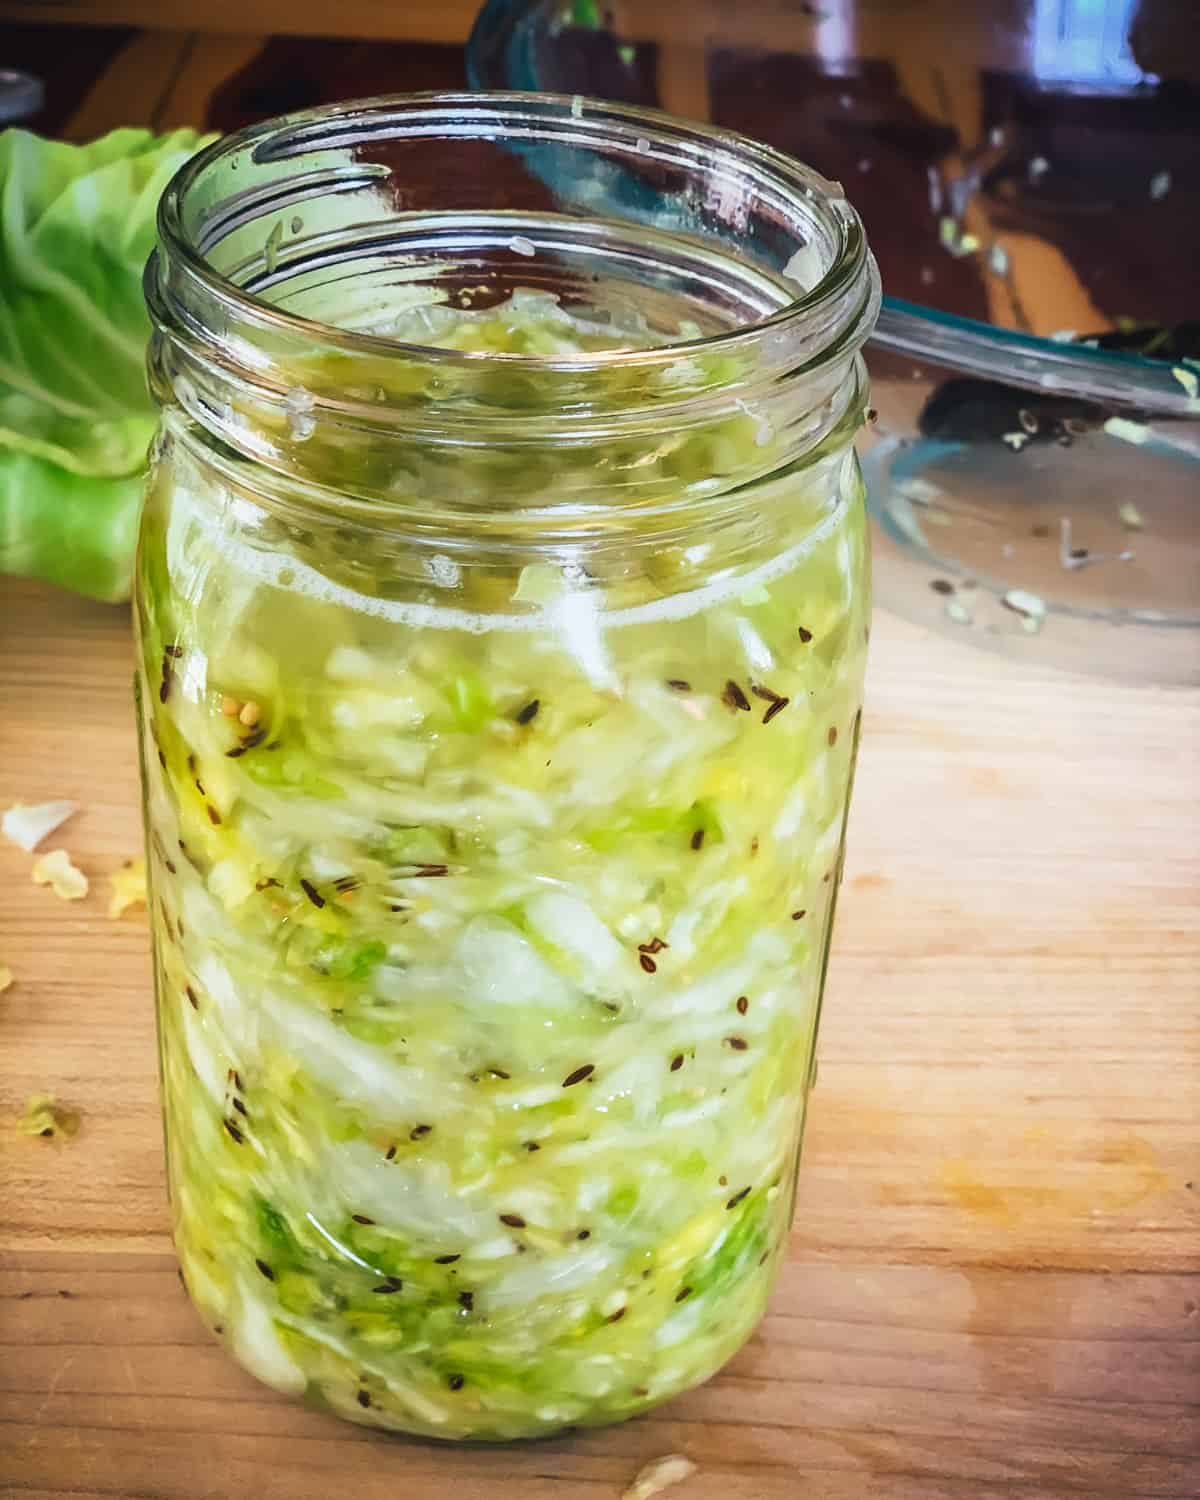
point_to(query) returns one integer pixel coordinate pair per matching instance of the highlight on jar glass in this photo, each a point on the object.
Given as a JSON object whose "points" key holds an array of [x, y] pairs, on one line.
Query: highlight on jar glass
{"points": [[502, 601]]}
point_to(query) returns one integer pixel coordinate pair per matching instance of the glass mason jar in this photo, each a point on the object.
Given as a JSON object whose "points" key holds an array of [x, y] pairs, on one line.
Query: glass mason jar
{"points": [[502, 604]]}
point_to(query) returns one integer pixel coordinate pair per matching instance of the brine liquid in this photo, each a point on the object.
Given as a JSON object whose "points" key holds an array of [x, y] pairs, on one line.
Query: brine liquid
{"points": [[489, 948]]}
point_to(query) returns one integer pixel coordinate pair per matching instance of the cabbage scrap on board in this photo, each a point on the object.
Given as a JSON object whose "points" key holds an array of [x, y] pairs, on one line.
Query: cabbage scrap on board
{"points": [[26, 826], [44, 1116], [76, 228]]}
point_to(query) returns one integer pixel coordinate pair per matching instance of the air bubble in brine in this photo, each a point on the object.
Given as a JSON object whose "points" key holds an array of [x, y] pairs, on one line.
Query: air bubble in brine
{"points": [[271, 248], [298, 404]]}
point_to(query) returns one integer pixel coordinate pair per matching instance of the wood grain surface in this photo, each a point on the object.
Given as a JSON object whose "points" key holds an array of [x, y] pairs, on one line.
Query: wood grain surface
{"points": [[424, 20], [993, 1289]]}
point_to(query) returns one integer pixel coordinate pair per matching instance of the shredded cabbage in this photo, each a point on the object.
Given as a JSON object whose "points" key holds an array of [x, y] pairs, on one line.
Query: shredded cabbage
{"points": [[489, 955]]}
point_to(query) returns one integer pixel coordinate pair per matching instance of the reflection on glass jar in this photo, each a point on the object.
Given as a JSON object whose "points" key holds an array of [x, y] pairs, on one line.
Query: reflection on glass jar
{"points": [[502, 598]]}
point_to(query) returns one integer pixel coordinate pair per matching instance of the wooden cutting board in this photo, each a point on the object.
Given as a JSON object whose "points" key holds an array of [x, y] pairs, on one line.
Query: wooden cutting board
{"points": [[993, 1288]]}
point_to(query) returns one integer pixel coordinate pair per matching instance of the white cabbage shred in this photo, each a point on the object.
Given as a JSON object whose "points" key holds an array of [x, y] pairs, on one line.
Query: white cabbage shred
{"points": [[66, 880], [658, 1476], [27, 826]]}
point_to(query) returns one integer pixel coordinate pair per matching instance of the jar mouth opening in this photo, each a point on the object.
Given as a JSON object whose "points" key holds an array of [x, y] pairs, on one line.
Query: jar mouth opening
{"points": [[810, 290]]}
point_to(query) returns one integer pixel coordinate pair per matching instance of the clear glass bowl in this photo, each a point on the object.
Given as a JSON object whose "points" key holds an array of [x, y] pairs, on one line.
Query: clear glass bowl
{"points": [[1031, 493]]}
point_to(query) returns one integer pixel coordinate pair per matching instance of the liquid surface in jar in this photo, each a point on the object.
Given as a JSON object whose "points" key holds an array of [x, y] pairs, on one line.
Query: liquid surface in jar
{"points": [[489, 943]]}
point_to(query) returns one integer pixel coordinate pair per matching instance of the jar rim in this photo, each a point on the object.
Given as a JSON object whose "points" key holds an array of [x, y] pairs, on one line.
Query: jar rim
{"points": [[834, 315]]}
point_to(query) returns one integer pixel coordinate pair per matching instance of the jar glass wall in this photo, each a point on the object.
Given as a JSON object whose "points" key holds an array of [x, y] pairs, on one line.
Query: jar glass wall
{"points": [[502, 606]]}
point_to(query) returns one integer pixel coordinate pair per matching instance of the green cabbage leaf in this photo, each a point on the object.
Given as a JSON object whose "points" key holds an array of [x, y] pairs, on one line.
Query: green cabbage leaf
{"points": [[77, 224]]}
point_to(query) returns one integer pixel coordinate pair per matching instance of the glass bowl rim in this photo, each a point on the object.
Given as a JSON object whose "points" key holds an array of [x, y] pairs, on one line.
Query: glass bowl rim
{"points": [[1110, 377]]}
